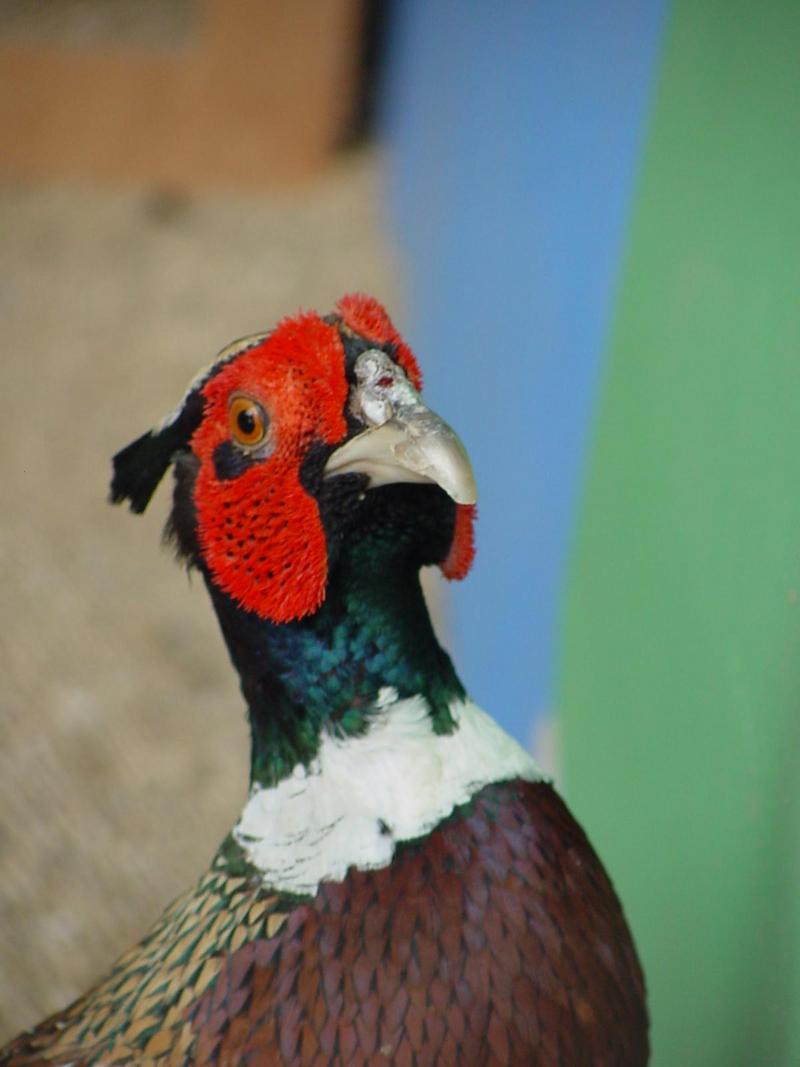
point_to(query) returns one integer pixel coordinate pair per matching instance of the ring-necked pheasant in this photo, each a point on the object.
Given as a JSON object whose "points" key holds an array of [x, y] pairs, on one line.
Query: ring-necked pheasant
{"points": [[403, 887]]}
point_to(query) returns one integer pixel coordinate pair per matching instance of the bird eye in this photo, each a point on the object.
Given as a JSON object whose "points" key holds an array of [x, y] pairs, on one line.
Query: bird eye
{"points": [[248, 421]]}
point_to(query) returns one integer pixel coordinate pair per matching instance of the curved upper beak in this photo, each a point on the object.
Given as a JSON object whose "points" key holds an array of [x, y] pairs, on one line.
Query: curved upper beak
{"points": [[413, 445]]}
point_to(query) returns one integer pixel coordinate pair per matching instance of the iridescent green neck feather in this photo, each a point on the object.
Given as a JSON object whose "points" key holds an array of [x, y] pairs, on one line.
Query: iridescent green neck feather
{"points": [[373, 631]]}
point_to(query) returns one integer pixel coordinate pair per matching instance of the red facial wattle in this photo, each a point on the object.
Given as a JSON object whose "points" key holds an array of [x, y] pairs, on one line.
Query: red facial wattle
{"points": [[260, 532], [462, 549]]}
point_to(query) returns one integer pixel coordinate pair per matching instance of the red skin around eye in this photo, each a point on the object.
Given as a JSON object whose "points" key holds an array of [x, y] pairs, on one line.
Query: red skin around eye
{"points": [[260, 532]]}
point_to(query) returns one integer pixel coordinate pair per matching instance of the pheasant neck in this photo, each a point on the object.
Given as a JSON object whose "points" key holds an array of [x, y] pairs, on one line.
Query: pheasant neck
{"points": [[327, 672]]}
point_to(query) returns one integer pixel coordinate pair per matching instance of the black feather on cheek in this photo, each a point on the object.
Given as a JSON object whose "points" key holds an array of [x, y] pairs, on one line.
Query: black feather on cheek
{"points": [[230, 461], [181, 528]]}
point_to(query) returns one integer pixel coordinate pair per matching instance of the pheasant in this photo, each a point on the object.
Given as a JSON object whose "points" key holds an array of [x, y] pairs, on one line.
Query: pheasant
{"points": [[403, 886]]}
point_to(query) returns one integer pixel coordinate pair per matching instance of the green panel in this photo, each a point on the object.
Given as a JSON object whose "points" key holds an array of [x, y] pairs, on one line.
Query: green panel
{"points": [[680, 672]]}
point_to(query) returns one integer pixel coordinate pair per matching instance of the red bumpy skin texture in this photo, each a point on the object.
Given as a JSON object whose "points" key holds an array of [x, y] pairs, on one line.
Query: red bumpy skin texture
{"points": [[462, 550], [260, 532]]}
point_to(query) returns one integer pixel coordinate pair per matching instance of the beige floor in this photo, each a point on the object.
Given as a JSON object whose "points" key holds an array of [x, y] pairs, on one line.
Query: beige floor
{"points": [[122, 734]]}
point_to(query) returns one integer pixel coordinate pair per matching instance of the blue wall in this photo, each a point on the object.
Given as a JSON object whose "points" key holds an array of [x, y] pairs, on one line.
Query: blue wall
{"points": [[514, 131]]}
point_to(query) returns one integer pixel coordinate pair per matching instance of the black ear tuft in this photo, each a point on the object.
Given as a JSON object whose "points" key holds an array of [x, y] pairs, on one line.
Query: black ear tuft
{"points": [[138, 469], [140, 466]]}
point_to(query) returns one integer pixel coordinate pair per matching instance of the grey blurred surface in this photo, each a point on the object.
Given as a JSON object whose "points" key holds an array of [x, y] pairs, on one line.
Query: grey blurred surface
{"points": [[76, 23], [123, 747]]}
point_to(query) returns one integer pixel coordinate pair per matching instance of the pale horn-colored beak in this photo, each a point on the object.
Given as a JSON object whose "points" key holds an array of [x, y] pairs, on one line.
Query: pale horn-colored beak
{"points": [[412, 445]]}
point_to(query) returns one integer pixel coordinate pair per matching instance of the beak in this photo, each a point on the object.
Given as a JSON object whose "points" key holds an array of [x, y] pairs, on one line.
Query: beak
{"points": [[413, 445]]}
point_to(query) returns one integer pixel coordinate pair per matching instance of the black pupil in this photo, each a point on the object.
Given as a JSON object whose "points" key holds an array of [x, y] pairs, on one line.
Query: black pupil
{"points": [[247, 422]]}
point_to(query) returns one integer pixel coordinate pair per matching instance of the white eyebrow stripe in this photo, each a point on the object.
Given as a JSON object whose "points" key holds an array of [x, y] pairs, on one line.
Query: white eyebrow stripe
{"points": [[229, 352]]}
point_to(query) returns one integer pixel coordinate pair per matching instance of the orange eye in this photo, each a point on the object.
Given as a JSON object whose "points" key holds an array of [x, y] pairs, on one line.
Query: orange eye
{"points": [[247, 420]]}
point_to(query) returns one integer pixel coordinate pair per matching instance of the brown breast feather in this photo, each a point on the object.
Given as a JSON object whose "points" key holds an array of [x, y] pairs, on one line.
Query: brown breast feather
{"points": [[497, 940]]}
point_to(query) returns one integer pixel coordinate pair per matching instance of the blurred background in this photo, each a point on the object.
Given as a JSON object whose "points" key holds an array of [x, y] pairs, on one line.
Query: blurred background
{"points": [[585, 220]]}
